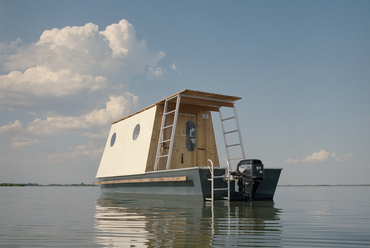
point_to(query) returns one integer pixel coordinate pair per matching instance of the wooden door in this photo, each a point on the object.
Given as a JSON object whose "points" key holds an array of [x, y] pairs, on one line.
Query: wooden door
{"points": [[185, 149]]}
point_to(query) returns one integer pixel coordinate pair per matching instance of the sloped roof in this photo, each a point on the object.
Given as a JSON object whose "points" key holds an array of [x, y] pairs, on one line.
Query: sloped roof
{"points": [[206, 95], [195, 99]]}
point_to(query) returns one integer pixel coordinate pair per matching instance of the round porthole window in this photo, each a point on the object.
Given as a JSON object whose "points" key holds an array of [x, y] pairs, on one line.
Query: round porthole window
{"points": [[113, 139], [136, 132]]}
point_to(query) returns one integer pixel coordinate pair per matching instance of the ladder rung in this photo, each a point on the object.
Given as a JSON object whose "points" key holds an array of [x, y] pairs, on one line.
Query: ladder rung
{"points": [[233, 145], [219, 189], [233, 117], [223, 198], [223, 176], [164, 127], [162, 156], [167, 127], [234, 131], [171, 112]]}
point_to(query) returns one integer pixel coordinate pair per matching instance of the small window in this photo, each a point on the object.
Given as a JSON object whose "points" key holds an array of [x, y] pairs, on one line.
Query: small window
{"points": [[113, 139], [136, 132], [190, 135]]}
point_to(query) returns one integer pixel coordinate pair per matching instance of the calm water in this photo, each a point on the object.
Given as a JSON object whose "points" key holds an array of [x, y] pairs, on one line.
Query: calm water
{"points": [[81, 217]]}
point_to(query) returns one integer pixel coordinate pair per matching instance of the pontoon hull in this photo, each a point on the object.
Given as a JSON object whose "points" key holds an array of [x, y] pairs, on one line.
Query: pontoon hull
{"points": [[185, 183]]}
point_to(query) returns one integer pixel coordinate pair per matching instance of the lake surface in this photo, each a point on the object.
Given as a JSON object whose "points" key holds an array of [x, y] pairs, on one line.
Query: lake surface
{"points": [[311, 216]]}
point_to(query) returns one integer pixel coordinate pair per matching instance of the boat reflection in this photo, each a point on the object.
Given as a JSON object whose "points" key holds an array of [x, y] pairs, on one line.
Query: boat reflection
{"points": [[138, 222]]}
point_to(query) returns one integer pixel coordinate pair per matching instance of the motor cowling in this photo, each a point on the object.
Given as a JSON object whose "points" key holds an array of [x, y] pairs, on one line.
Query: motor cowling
{"points": [[251, 169], [249, 173]]}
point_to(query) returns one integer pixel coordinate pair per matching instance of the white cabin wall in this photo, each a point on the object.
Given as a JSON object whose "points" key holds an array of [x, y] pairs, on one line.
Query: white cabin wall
{"points": [[128, 156]]}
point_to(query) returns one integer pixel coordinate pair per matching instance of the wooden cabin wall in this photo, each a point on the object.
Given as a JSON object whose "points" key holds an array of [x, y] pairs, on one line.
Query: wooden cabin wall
{"points": [[182, 158], [154, 140], [205, 141], [207, 148]]}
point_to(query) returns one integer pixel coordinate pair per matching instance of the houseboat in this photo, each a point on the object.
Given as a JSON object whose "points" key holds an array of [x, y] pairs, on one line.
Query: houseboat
{"points": [[168, 149]]}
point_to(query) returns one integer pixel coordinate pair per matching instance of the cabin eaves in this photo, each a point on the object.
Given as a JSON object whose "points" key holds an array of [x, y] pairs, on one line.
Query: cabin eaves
{"points": [[192, 99]]}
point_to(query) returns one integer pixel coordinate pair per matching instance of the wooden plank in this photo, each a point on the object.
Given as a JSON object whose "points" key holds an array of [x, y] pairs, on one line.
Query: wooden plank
{"points": [[181, 157], [146, 180], [206, 102], [209, 95], [206, 140], [184, 107]]}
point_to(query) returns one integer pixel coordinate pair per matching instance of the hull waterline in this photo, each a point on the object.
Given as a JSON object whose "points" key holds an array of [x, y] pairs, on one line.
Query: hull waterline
{"points": [[189, 183]]}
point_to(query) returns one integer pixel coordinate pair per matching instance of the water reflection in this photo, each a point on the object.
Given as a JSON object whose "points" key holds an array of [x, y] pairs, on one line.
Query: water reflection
{"points": [[138, 222]]}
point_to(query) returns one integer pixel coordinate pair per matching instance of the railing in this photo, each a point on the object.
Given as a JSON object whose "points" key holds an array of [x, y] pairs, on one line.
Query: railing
{"points": [[212, 179]]}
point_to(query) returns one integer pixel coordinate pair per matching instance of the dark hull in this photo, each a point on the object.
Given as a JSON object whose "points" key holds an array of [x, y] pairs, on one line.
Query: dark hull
{"points": [[197, 185]]}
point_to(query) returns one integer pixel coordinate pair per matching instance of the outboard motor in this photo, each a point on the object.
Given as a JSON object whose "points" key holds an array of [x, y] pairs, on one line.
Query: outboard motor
{"points": [[249, 173]]}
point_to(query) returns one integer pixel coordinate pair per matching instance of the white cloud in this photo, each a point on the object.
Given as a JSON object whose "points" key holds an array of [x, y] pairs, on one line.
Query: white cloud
{"points": [[65, 90], [120, 37], [116, 107], [93, 125], [23, 141], [72, 63], [291, 160], [12, 127], [39, 81], [6, 49], [320, 157], [156, 73], [72, 37], [173, 67], [344, 157], [127, 53], [76, 153], [19, 136], [317, 156]]}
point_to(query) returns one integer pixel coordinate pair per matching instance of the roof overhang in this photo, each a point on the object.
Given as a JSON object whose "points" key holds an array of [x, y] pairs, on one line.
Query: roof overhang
{"points": [[192, 99]]}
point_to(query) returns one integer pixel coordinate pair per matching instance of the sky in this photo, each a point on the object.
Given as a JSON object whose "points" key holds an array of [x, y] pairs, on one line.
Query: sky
{"points": [[70, 68]]}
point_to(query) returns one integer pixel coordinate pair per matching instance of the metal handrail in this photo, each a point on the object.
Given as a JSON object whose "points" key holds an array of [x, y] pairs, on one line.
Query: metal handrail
{"points": [[212, 179]]}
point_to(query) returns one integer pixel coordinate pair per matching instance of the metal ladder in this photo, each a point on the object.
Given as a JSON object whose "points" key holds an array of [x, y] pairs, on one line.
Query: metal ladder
{"points": [[212, 179], [225, 133], [161, 141]]}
